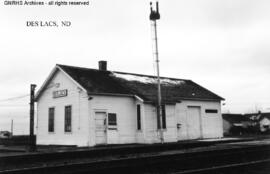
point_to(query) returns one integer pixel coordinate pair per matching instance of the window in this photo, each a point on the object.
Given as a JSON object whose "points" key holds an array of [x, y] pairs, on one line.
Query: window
{"points": [[211, 111], [163, 112], [138, 117], [158, 119], [163, 118], [112, 119], [51, 120], [67, 118]]}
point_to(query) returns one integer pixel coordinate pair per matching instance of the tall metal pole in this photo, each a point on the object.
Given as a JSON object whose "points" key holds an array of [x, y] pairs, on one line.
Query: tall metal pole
{"points": [[32, 143], [154, 16]]}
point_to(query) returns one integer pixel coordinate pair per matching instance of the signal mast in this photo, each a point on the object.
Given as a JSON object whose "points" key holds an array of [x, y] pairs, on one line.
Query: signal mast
{"points": [[154, 16]]}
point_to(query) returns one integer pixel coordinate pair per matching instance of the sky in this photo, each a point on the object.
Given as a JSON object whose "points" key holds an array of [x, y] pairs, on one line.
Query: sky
{"points": [[222, 45]]}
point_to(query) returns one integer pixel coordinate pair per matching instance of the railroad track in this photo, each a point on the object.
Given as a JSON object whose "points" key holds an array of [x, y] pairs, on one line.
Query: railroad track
{"points": [[192, 162], [106, 151], [230, 167]]}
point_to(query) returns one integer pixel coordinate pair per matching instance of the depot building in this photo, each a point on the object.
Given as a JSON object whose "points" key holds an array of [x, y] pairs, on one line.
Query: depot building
{"points": [[88, 107]]}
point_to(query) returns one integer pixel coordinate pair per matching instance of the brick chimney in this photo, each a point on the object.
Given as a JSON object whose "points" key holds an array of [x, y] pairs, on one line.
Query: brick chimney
{"points": [[102, 65]]}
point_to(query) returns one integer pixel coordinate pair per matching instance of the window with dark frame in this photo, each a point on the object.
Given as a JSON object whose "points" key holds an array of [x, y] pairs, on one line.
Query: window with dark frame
{"points": [[67, 118], [163, 118], [158, 120], [211, 111], [112, 119], [163, 112], [138, 117], [51, 120]]}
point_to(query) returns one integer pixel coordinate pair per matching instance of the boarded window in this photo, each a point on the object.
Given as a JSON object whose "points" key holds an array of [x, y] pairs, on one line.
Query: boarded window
{"points": [[112, 119], [67, 118], [51, 120], [163, 112], [211, 111], [138, 117]]}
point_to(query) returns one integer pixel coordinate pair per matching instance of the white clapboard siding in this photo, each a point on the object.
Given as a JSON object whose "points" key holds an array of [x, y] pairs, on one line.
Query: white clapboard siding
{"points": [[152, 134], [211, 123], [170, 134], [125, 109], [79, 102]]}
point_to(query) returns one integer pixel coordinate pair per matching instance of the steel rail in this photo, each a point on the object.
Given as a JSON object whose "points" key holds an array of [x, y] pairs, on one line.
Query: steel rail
{"points": [[214, 168]]}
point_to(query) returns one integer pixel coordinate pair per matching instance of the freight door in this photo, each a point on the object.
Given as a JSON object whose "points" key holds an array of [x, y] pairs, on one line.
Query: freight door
{"points": [[101, 128], [193, 122]]}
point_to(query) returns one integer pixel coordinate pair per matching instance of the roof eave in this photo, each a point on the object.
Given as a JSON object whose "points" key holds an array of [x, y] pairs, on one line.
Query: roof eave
{"points": [[149, 101], [42, 88], [220, 98], [201, 99]]}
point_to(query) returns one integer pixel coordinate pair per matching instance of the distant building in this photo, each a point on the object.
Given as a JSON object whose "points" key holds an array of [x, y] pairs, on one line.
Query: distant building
{"points": [[88, 107], [236, 124], [262, 119], [264, 122]]}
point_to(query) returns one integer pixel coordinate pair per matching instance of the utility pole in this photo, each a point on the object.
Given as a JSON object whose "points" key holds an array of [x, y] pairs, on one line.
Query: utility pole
{"points": [[154, 16], [32, 143]]}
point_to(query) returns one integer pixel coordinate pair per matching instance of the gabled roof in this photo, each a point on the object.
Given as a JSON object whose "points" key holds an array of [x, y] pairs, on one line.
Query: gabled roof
{"points": [[144, 86], [235, 118]]}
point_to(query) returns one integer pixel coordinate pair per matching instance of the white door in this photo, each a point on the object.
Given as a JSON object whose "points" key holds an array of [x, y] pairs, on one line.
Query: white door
{"points": [[193, 122], [101, 128]]}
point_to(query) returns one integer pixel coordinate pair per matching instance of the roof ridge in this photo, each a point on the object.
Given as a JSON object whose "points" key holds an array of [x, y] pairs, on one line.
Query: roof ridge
{"points": [[79, 67], [153, 76], [145, 75]]}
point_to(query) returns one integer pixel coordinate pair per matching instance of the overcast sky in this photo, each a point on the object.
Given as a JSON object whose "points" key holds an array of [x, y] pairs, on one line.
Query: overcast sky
{"points": [[221, 44]]}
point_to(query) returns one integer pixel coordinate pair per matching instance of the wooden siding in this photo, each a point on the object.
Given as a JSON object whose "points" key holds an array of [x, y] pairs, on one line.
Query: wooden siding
{"points": [[152, 134], [211, 123], [79, 102], [125, 109]]}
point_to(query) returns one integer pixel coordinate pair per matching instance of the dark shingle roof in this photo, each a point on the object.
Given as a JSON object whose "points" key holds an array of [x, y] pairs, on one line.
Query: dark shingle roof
{"points": [[144, 86]]}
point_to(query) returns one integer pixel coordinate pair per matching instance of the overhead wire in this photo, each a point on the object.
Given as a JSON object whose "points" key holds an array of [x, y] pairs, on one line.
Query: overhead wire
{"points": [[14, 98]]}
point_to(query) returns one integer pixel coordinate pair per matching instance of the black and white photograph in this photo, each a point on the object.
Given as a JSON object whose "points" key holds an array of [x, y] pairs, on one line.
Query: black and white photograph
{"points": [[135, 86]]}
